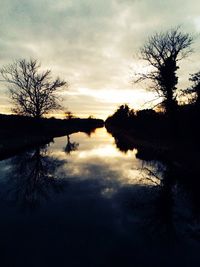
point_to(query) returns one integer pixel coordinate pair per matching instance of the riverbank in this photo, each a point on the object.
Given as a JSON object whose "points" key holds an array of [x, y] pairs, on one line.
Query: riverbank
{"points": [[182, 154], [158, 135], [18, 133]]}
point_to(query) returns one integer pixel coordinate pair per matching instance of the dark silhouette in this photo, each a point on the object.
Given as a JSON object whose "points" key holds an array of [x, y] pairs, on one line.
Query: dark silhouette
{"points": [[70, 146], [32, 91], [106, 217], [162, 51], [90, 131], [171, 199], [69, 115], [158, 129], [123, 112], [193, 93], [33, 178], [163, 219], [18, 133], [146, 218], [140, 124], [195, 78]]}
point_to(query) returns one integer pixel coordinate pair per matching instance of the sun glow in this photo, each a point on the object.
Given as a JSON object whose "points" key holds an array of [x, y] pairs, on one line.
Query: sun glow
{"points": [[106, 150], [118, 96], [103, 102]]}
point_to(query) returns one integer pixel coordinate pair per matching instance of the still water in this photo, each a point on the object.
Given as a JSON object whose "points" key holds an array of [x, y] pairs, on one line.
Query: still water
{"points": [[80, 201]]}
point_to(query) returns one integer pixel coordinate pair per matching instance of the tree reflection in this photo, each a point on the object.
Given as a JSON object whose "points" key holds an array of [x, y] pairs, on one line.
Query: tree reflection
{"points": [[121, 141], [33, 178], [169, 189], [162, 220], [70, 146], [174, 209], [90, 131]]}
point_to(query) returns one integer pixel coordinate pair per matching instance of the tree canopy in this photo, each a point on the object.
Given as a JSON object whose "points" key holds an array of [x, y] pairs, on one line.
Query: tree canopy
{"points": [[162, 51], [33, 92]]}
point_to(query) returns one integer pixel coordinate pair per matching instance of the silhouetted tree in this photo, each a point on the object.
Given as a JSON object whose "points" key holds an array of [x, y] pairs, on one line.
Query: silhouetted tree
{"points": [[122, 116], [123, 112], [163, 51], [194, 89], [32, 91], [69, 115]]}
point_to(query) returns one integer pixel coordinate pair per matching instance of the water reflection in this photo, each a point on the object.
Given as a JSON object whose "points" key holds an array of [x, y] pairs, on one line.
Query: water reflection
{"points": [[70, 146], [111, 208], [32, 177], [162, 218], [170, 199]]}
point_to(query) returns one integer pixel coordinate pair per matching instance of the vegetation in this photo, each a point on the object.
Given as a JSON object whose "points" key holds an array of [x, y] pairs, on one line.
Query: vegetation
{"points": [[18, 133], [178, 123], [33, 92], [167, 145], [193, 93], [69, 115], [163, 51]]}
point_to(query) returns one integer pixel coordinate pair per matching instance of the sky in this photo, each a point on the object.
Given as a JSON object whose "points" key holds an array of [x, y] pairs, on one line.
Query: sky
{"points": [[94, 46]]}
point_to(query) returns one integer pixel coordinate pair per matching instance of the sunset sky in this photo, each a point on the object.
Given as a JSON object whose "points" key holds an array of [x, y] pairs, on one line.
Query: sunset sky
{"points": [[93, 44]]}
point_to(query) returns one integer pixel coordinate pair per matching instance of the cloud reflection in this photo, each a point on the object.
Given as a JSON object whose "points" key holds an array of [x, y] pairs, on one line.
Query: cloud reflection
{"points": [[97, 158]]}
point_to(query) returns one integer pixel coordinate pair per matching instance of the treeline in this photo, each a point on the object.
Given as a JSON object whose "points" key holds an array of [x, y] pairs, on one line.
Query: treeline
{"points": [[14, 125], [150, 124], [18, 133], [163, 52]]}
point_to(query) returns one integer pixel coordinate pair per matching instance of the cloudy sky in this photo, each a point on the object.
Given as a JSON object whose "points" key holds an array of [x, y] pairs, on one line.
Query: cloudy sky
{"points": [[93, 44]]}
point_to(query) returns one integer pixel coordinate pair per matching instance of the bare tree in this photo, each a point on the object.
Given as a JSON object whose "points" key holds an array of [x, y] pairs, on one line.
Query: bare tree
{"points": [[32, 91], [163, 51]]}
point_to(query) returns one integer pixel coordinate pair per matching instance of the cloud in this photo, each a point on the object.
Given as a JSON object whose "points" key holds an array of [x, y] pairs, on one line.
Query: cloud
{"points": [[92, 43]]}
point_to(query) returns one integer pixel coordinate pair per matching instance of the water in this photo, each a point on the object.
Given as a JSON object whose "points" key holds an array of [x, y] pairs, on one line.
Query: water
{"points": [[80, 201]]}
